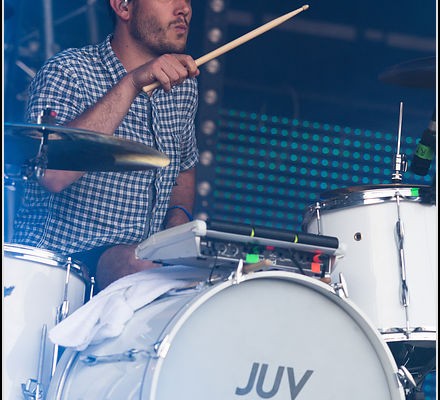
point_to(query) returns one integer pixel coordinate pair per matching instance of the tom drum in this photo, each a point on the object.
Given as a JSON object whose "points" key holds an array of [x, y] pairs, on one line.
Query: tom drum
{"points": [[389, 234], [39, 289]]}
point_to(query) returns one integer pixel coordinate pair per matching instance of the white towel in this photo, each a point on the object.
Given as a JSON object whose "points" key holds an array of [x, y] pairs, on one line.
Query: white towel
{"points": [[105, 315]]}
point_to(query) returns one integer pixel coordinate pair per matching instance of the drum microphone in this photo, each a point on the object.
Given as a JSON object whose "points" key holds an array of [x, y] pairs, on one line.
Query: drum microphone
{"points": [[425, 150]]}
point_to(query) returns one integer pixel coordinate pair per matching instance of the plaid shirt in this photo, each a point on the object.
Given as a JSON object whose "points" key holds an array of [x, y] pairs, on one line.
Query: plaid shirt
{"points": [[104, 208]]}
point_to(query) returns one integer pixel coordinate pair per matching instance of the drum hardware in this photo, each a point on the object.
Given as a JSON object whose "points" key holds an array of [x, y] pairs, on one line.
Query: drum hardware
{"points": [[406, 378], [318, 217], [400, 160], [403, 275], [128, 355], [91, 287], [341, 287], [38, 165], [237, 276], [418, 357], [33, 390], [62, 311]]}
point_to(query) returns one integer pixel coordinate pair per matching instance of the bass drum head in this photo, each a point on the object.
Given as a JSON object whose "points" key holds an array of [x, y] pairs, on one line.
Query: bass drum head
{"points": [[273, 335]]}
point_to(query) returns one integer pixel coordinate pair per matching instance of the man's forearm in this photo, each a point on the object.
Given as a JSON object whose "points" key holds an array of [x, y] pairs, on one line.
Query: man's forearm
{"points": [[183, 195]]}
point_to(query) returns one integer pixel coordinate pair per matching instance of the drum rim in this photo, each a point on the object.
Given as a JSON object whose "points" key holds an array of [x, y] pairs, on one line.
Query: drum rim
{"points": [[364, 188], [363, 196], [43, 256]]}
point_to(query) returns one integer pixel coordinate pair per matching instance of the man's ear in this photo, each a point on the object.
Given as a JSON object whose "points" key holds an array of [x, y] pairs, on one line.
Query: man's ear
{"points": [[120, 7]]}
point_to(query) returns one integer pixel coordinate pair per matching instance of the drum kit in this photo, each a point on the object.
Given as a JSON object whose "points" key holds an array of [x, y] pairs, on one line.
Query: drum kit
{"points": [[369, 334]]}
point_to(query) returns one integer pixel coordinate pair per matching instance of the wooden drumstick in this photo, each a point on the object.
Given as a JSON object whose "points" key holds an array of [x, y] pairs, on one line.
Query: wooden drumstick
{"points": [[237, 42], [261, 265]]}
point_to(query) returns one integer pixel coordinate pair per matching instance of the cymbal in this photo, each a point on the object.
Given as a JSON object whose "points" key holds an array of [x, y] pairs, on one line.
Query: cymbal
{"points": [[77, 149], [418, 73]]}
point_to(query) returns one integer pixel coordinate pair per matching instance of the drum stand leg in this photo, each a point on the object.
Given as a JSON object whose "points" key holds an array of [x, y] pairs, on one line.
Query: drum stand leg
{"points": [[33, 389]]}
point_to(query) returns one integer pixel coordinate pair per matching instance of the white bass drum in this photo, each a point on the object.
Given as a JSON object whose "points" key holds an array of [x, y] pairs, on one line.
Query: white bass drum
{"points": [[269, 334]]}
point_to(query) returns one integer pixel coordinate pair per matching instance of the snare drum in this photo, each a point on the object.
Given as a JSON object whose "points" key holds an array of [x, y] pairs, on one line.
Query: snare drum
{"points": [[269, 334], [391, 273], [39, 288]]}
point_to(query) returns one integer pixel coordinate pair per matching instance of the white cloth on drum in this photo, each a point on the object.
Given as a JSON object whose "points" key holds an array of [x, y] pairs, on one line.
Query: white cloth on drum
{"points": [[105, 315]]}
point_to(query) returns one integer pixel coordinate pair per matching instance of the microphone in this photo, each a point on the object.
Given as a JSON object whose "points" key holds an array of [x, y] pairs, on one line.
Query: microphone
{"points": [[425, 150]]}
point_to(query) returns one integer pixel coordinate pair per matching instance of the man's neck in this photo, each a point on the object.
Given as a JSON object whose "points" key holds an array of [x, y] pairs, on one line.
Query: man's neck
{"points": [[128, 51]]}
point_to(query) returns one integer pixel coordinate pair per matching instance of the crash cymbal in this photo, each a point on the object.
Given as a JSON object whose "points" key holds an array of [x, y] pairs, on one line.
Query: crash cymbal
{"points": [[418, 73], [77, 150]]}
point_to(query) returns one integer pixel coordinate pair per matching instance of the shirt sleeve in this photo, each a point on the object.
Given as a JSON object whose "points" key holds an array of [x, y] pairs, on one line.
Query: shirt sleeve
{"points": [[56, 86], [189, 150]]}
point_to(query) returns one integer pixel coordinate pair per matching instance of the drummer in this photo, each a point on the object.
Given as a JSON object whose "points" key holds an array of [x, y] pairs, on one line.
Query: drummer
{"points": [[100, 217]]}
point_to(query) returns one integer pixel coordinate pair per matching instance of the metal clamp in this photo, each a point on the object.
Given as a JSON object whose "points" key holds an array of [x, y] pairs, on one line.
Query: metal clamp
{"points": [[128, 355], [341, 288]]}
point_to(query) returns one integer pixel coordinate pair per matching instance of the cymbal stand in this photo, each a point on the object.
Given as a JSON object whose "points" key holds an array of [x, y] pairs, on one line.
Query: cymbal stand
{"points": [[400, 160], [38, 164]]}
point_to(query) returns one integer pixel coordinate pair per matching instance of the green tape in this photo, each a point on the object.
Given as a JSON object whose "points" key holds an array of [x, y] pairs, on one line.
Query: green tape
{"points": [[414, 192], [252, 258]]}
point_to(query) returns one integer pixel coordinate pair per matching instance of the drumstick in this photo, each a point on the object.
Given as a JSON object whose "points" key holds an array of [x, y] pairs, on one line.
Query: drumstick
{"points": [[264, 264], [237, 42]]}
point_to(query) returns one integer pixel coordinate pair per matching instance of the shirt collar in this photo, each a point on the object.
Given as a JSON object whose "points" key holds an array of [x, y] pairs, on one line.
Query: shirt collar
{"points": [[109, 59]]}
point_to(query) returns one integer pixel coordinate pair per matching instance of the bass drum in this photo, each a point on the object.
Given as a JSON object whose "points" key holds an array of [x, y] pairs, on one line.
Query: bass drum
{"points": [[269, 334], [380, 226]]}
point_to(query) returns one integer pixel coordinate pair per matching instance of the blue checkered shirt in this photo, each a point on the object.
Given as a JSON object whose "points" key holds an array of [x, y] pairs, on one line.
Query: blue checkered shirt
{"points": [[103, 208]]}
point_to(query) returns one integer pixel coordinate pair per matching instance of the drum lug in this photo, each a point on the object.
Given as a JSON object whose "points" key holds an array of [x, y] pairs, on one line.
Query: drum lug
{"points": [[161, 348], [32, 390], [237, 276], [341, 288]]}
